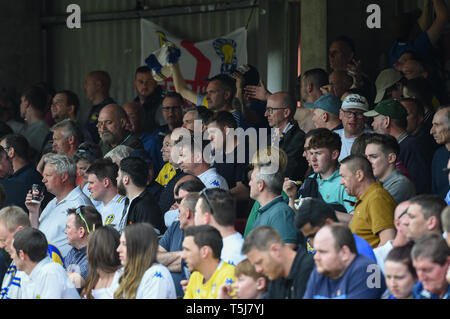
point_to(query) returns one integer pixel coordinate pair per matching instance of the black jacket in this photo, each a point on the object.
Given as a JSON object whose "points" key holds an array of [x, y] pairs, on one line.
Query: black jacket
{"points": [[145, 209], [292, 144], [294, 286]]}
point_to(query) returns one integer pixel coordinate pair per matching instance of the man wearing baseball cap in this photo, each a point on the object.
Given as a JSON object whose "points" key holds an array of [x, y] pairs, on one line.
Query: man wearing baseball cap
{"points": [[352, 116], [389, 117], [326, 112], [389, 85]]}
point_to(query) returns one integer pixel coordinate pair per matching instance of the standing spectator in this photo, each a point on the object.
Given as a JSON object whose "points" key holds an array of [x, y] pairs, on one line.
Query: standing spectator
{"points": [[102, 184], [382, 152], [112, 128], [16, 151], [287, 269], [97, 87], [217, 207], [142, 276], [103, 263], [352, 117], [424, 215], [45, 279], [431, 259], [441, 134], [374, 209], [59, 179], [340, 272], [400, 273], [288, 136], [140, 205], [80, 223], [202, 246]]}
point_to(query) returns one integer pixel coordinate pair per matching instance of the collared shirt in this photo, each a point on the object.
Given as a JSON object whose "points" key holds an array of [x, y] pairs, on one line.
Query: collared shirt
{"points": [[212, 179], [333, 192], [48, 280], [76, 261], [52, 221], [374, 212], [11, 285], [280, 216], [112, 212], [231, 250], [166, 174]]}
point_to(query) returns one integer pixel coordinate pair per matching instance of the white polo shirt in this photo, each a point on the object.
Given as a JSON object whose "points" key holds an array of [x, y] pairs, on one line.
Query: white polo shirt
{"points": [[112, 212], [87, 192], [212, 179], [48, 280], [52, 221], [231, 250]]}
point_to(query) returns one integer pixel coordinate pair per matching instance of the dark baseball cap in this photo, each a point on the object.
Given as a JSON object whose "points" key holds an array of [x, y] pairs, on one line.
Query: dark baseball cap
{"points": [[392, 108]]}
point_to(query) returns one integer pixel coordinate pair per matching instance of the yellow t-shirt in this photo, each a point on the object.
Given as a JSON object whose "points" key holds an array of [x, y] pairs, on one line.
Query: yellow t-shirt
{"points": [[196, 289], [166, 174], [374, 212]]}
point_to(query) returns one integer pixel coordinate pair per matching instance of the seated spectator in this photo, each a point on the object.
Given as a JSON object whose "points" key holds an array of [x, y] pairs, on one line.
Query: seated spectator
{"points": [[103, 263], [390, 118], [288, 136], [340, 272], [142, 276], [192, 161], [312, 214], [353, 121], [45, 279], [170, 167], [202, 246], [382, 152], [17, 172], [326, 112], [324, 183], [374, 209], [112, 129], [249, 283], [420, 89], [401, 226], [198, 113], [424, 216], [80, 223], [287, 269], [266, 185], [339, 82], [140, 205], [441, 134], [153, 187], [399, 272], [431, 259], [217, 207], [59, 179], [171, 244]]}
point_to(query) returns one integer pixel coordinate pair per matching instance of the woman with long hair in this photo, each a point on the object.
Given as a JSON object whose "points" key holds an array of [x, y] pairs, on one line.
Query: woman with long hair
{"points": [[103, 262], [143, 277]]}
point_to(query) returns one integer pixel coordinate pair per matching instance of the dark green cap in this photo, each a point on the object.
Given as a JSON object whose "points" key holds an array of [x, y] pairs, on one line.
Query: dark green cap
{"points": [[392, 108]]}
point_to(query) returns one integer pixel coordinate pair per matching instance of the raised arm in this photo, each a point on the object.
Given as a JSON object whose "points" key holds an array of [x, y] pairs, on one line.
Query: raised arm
{"points": [[181, 86], [442, 15]]}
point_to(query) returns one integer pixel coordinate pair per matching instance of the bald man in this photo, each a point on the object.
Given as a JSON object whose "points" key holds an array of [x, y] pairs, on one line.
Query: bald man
{"points": [[286, 133], [112, 128]]}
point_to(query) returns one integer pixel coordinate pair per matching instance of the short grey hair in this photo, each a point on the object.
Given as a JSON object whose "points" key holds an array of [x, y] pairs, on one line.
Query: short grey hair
{"points": [[272, 181], [119, 152], [63, 164], [69, 128]]}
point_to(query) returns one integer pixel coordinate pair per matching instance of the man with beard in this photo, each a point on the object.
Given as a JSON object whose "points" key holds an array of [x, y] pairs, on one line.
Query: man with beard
{"points": [[111, 125], [140, 205]]}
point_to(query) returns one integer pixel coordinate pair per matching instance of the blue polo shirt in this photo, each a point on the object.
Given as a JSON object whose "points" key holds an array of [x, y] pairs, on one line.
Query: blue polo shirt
{"points": [[333, 192], [279, 215]]}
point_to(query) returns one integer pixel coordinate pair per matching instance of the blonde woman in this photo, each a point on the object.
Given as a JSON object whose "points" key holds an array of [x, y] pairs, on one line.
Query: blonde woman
{"points": [[142, 277]]}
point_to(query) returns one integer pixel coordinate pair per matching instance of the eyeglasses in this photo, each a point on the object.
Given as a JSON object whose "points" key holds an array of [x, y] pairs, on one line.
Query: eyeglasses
{"points": [[205, 196], [271, 109], [79, 213], [107, 122], [401, 215], [349, 114], [178, 200]]}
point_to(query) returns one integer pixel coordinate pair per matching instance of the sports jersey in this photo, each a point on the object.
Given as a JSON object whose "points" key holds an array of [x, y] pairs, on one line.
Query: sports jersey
{"points": [[196, 289], [11, 283], [48, 280], [112, 212], [166, 174], [212, 179], [87, 192], [231, 250]]}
